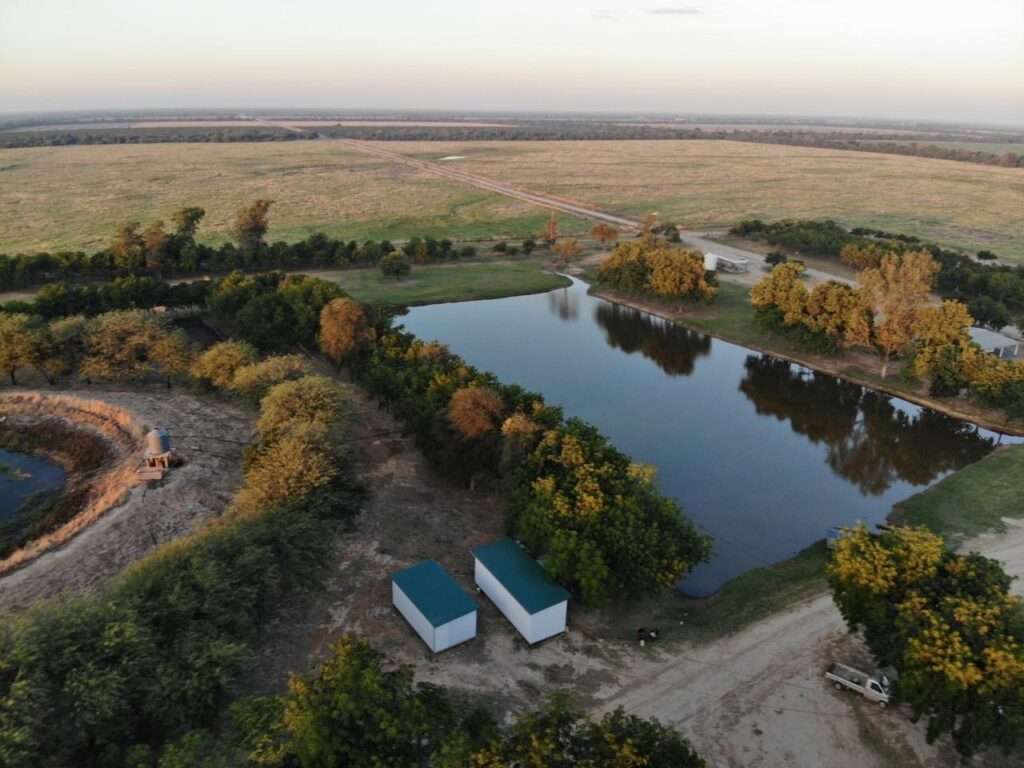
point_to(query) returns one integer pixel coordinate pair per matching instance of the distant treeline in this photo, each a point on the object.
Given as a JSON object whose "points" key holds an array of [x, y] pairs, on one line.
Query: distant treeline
{"points": [[918, 145], [994, 294], [165, 134]]}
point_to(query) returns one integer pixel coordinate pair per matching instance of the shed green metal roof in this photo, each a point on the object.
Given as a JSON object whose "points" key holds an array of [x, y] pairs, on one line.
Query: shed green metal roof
{"points": [[434, 593], [521, 575]]}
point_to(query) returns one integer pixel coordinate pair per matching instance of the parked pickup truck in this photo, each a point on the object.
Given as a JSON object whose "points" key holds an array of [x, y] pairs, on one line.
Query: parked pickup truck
{"points": [[873, 688]]}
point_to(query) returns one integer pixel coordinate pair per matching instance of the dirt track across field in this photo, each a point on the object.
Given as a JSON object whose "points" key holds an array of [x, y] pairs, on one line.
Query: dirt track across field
{"points": [[576, 208]]}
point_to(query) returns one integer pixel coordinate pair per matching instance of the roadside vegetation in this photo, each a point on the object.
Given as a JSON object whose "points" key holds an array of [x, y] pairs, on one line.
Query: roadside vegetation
{"points": [[946, 622]]}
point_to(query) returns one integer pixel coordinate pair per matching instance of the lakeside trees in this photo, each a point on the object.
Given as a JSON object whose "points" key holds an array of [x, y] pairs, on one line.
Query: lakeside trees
{"points": [[594, 519], [652, 266], [946, 622]]}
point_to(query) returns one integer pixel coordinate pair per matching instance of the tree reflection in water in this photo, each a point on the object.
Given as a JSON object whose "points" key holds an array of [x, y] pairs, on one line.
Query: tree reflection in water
{"points": [[564, 304], [672, 347], [870, 442]]}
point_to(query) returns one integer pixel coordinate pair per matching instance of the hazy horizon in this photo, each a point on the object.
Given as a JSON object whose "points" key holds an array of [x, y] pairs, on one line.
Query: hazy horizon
{"points": [[913, 60]]}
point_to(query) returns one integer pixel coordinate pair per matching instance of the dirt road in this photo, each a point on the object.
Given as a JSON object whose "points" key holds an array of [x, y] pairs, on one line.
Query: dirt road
{"points": [[693, 239]]}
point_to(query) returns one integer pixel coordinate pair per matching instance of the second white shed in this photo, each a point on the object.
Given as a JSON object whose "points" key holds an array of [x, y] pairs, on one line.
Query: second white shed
{"points": [[519, 587]]}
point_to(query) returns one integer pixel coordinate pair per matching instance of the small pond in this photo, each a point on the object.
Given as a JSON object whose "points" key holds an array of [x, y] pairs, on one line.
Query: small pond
{"points": [[23, 477], [763, 454]]}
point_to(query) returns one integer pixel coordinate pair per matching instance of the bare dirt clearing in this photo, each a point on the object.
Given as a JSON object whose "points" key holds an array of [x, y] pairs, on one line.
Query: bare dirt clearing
{"points": [[209, 436]]}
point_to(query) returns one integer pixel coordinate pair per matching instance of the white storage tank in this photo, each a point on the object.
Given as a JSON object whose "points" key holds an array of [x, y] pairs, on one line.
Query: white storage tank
{"points": [[158, 441], [710, 262]]}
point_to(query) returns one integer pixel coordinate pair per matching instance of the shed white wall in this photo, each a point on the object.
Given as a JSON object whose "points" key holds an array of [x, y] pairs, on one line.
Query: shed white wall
{"points": [[533, 628], [412, 614], [454, 632], [437, 638]]}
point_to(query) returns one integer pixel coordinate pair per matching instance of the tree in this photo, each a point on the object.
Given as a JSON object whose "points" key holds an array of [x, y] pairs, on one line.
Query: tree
{"points": [[255, 380], [475, 411], [942, 347], [156, 241], [558, 736], [567, 251], [783, 291], [528, 245], [989, 312], [133, 345], [775, 258], [217, 365], [863, 255], [186, 222], [395, 265], [677, 273], [343, 328], [67, 346], [128, 248], [551, 229], [604, 233], [357, 714], [830, 308], [251, 223], [946, 622], [309, 400], [19, 343], [894, 294]]}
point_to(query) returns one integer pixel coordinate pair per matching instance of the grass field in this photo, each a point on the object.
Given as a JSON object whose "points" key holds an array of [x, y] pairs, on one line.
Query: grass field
{"points": [[53, 198], [709, 184], [448, 282], [62, 197], [973, 500]]}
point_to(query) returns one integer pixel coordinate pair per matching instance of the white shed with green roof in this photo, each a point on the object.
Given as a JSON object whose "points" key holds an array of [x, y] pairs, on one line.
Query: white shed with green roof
{"points": [[436, 607], [519, 587]]}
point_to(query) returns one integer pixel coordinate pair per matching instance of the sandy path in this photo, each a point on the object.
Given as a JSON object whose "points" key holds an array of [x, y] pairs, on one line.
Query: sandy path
{"points": [[757, 698]]}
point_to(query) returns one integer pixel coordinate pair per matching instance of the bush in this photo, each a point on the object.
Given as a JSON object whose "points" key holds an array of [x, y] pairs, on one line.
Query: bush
{"points": [[217, 365], [395, 265], [467, 252], [500, 247], [255, 380]]}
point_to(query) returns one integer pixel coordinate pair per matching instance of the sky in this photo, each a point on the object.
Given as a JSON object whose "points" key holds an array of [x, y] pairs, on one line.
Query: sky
{"points": [[904, 59]]}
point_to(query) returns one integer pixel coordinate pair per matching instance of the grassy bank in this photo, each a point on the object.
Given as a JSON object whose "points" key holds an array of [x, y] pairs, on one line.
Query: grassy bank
{"points": [[973, 500], [437, 283]]}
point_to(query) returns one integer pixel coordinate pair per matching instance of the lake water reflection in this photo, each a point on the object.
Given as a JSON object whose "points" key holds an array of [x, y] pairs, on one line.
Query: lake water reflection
{"points": [[763, 454]]}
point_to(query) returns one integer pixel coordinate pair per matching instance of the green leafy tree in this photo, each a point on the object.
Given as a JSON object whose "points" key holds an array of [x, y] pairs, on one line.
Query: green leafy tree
{"points": [[356, 713], [256, 379]]}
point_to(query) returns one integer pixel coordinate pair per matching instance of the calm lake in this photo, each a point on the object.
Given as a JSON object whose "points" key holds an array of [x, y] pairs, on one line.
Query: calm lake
{"points": [[23, 476], [763, 454]]}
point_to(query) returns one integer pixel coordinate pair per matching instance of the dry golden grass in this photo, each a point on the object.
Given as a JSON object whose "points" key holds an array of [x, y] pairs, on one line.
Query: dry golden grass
{"points": [[54, 198], [715, 183]]}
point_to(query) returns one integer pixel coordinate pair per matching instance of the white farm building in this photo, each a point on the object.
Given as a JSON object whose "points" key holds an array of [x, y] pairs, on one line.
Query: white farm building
{"points": [[519, 587], [438, 609]]}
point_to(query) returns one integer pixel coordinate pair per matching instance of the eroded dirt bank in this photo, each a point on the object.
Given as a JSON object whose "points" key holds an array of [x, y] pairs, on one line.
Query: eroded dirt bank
{"points": [[124, 520]]}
